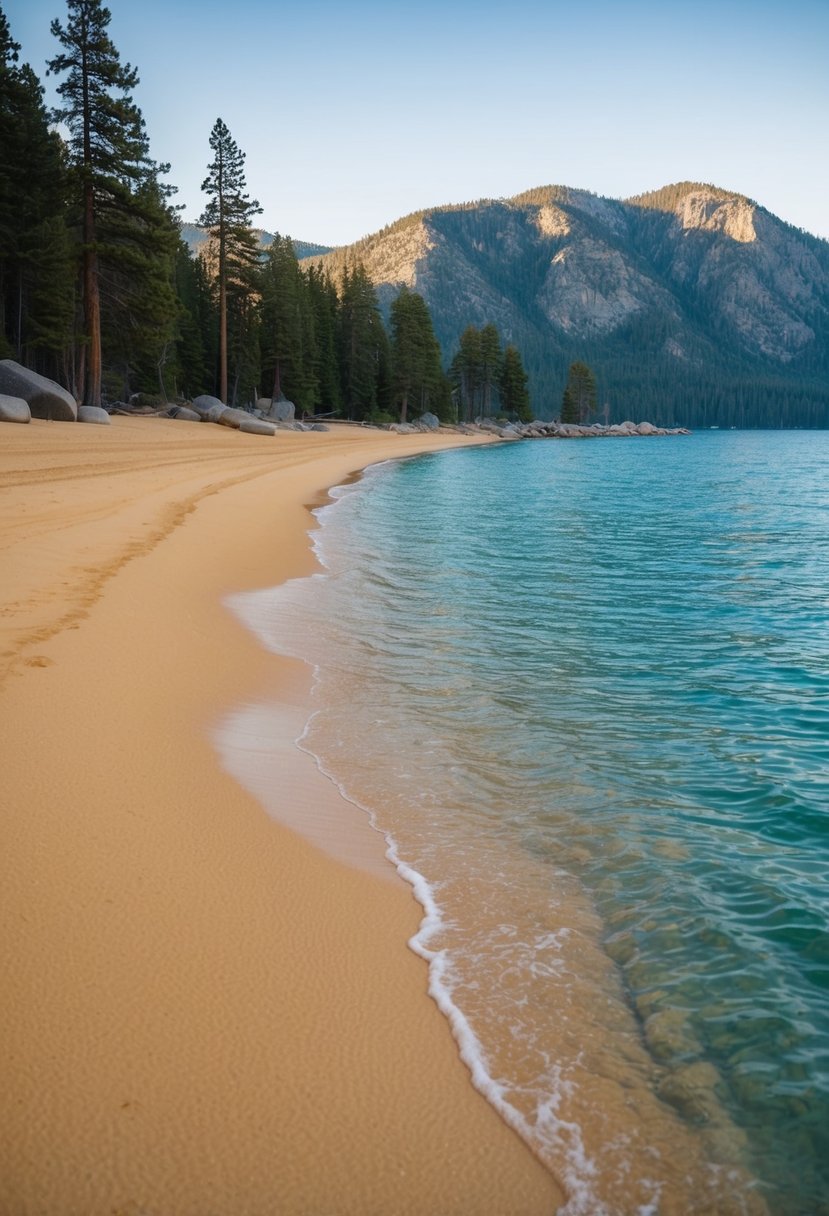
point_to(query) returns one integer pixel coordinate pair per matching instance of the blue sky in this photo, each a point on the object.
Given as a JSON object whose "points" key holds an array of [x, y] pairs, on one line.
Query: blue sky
{"points": [[352, 115]]}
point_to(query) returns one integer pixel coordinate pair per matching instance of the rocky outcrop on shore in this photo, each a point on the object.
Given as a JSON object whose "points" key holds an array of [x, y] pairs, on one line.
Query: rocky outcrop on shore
{"points": [[543, 430]]}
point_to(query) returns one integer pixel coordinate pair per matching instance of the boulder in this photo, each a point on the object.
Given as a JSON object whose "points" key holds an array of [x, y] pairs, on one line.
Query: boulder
{"points": [[183, 414], [232, 417], [45, 398], [429, 422], [647, 428], [319, 426], [204, 404], [257, 426], [264, 404], [93, 413], [282, 410], [14, 409]]}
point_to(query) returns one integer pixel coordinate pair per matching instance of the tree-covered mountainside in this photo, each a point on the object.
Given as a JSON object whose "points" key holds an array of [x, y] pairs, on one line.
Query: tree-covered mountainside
{"points": [[195, 238], [692, 305]]}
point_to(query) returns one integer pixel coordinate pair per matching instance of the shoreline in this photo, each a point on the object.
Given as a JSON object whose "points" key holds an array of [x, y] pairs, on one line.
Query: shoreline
{"points": [[202, 1011]]}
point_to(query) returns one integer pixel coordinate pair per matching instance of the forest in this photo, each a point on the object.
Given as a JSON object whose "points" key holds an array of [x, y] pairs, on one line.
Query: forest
{"points": [[99, 290]]}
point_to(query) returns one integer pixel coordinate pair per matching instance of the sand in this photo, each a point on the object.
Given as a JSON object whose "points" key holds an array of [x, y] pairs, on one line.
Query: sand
{"points": [[201, 1012]]}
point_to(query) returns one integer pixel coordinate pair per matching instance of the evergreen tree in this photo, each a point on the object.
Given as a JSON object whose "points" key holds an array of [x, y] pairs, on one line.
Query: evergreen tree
{"points": [[34, 246], [324, 304], [286, 328], [490, 365], [364, 347], [195, 346], [228, 217], [579, 399], [466, 373], [569, 409], [417, 375], [140, 319], [515, 398], [108, 155]]}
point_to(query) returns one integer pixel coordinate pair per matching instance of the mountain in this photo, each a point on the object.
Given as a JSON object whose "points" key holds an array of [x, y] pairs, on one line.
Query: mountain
{"points": [[693, 305], [195, 237]]}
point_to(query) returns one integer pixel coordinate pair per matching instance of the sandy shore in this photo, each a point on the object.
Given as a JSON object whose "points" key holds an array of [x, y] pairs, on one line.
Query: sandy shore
{"points": [[200, 1012]]}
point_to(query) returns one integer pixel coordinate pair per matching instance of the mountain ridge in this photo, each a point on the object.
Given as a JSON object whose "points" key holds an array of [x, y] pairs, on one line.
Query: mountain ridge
{"points": [[691, 300]]}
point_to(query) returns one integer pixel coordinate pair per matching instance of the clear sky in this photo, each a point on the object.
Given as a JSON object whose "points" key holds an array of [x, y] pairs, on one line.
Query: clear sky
{"points": [[354, 114]]}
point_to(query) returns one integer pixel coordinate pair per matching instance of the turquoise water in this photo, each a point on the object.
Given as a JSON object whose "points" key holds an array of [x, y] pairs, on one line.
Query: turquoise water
{"points": [[584, 688]]}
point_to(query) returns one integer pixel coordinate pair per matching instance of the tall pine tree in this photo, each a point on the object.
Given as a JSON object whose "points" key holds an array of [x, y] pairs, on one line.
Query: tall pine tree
{"points": [[417, 375], [287, 340], [364, 347], [466, 373], [109, 157], [36, 271], [513, 386], [490, 365], [579, 400], [325, 306], [228, 216]]}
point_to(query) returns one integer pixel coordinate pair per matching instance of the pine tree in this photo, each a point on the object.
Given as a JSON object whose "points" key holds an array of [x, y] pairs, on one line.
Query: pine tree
{"points": [[515, 398], [228, 217], [33, 239], [579, 399], [466, 373], [109, 156], [324, 304], [364, 347], [490, 365], [283, 287], [417, 375], [569, 410]]}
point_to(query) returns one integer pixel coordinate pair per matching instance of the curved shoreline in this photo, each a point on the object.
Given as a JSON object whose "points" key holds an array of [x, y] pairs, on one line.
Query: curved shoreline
{"points": [[201, 1011]]}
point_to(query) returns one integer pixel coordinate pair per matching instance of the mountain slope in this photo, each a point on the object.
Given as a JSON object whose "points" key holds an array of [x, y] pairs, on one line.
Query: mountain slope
{"points": [[195, 237], [693, 304]]}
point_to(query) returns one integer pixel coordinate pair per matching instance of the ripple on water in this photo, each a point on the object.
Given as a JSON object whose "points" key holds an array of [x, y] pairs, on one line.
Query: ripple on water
{"points": [[585, 690]]}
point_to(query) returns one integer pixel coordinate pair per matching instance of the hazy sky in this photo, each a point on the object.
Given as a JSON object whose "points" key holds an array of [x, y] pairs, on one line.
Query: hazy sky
{"points": [[354, 114]]}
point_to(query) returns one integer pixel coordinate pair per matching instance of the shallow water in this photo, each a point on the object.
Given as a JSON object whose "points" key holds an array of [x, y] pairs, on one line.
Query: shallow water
{"points": [[584, 689]]}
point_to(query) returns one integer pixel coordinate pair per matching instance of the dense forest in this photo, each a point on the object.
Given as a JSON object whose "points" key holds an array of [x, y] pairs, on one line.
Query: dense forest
{"points": [[100, 291]]}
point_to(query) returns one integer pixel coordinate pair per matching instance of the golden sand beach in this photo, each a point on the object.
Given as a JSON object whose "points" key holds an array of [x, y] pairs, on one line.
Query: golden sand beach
{"points": [[200, 1011]]}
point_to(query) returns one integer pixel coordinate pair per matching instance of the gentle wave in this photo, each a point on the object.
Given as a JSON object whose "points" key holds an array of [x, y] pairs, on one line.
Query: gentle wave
{"points": [[584, 691]]}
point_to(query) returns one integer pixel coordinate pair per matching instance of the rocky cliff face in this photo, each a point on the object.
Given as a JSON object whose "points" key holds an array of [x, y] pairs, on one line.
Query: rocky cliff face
{"points": [[692, 297]]}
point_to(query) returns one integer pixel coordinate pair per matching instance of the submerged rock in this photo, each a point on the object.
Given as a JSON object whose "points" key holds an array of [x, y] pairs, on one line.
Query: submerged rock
{"points": [[45, 398]]}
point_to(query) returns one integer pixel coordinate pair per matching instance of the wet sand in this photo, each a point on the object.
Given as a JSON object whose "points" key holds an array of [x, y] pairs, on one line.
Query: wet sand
{"points": [[201, 1012]]}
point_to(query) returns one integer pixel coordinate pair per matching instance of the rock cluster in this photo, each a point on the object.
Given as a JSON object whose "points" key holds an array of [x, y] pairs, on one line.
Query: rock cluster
{"points": [[44, 398], [25, 394], [566, 430]]}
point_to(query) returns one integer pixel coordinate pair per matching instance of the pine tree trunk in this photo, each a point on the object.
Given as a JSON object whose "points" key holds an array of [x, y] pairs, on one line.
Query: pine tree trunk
{"points": [[404, 407], [222, 339], [91, 295]]}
